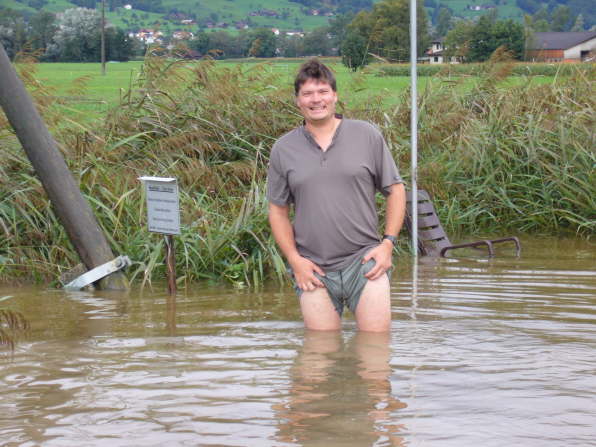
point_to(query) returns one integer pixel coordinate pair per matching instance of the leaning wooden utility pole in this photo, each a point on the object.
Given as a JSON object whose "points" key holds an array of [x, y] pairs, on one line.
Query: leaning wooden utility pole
{"points": [[69, 205]]}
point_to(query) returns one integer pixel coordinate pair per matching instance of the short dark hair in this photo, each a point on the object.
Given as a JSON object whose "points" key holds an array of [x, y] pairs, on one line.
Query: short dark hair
{"points": [[314, 69]]}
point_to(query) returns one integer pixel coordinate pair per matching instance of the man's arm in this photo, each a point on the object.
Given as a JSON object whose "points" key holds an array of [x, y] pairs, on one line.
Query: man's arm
{"points": [[394, 218], [279, 219]]}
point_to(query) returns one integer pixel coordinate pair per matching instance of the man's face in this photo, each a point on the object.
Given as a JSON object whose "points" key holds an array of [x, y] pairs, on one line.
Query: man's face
{"points": [[316, 101]]}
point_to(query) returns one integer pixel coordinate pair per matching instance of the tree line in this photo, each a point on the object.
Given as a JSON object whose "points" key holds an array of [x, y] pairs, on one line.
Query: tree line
{"points": [[70, 36], [381, 33]]}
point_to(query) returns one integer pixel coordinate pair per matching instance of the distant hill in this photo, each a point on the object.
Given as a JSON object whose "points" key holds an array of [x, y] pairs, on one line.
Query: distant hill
{"points": [[286, 15]]}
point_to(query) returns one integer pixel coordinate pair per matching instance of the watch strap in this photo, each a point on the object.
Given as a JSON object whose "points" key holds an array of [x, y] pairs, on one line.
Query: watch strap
{"points": [[393, 239]]}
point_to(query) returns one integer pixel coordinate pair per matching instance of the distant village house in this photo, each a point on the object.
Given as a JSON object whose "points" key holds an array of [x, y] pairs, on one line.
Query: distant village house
{"points": [[480, 7], [182, 35], [264, 13], [148, 36], [435, 54]]}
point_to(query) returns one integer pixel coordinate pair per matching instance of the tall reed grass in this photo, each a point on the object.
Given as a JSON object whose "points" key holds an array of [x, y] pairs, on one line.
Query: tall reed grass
{"points": [[517, 159]]}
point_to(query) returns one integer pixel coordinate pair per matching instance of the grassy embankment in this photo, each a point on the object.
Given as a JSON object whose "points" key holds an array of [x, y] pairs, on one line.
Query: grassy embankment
{"points": [[516, 159]]}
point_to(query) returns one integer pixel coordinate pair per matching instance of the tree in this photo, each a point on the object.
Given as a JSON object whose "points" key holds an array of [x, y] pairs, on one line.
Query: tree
{"points": [[561, 18], [476, 41], [444, 22], [317, 43], [43, 27], [457, 41], [483, 42], [354, 51], [509, 34], [13, 31], [586, 9], [77, 37], [353, 6], [262, 43], [541, 26], [541, 14], [387, 29], [338, 27], [291, 46], [217, 44], [530, 6], [200, 43], [119, 47], [579, 23]]}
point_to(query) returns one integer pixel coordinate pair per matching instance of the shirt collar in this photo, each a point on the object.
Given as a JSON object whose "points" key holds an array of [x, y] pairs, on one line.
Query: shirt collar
{"points": [[309, 136]]}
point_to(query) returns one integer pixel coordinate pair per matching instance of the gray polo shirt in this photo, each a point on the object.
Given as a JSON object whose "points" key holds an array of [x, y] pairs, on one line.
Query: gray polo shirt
{"points": [[333, 192]]}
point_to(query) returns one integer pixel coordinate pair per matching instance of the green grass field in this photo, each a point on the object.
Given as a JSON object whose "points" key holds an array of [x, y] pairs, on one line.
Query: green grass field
{"points": [[103, 92], [506, 9]]}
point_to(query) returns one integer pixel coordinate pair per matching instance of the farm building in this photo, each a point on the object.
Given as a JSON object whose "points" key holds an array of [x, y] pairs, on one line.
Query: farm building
{"points": [[562, 47]]}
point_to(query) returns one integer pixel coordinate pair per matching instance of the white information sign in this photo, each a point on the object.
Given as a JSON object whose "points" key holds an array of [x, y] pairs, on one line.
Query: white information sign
{"points": [[163, 209]]}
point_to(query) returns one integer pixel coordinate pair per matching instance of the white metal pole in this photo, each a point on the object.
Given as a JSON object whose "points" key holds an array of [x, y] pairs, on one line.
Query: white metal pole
{"points": [[414, 127], [103, 37]]}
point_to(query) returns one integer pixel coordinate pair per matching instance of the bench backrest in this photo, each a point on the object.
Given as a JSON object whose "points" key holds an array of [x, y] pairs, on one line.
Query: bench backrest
{"points": [[431, 235]]}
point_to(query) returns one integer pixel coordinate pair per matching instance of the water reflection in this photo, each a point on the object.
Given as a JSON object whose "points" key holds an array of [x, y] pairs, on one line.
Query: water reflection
{"points": [[341, 391], [484, 352], [171, 314]]}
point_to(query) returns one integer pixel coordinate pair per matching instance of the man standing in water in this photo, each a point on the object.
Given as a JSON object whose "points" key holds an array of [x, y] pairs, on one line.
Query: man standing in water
{"points": [[329, 169]]}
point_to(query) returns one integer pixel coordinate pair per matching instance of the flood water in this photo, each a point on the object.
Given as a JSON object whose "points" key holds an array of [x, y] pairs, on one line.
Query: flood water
{"points": [[498, 352]]}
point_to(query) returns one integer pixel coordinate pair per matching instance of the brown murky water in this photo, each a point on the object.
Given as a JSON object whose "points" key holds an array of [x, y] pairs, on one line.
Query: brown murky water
{"points": [[482, 353]]}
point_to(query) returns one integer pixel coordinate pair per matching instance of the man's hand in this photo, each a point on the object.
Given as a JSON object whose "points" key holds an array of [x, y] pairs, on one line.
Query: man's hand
{"points": [[304, 273], [382, 256]]}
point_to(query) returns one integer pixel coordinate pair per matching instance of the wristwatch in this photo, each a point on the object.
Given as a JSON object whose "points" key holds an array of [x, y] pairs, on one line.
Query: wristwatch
{"points": [[393, 239]]}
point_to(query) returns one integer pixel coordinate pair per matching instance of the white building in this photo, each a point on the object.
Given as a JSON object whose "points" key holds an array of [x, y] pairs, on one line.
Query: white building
{"points": [[149, 36], [436, 56]]}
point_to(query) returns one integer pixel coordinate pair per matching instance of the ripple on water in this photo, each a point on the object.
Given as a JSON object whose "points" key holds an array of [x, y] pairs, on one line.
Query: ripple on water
{"points": [[482, 352]]}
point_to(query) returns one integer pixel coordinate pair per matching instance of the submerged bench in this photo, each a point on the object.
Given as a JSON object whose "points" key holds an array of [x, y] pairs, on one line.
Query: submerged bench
{"points": [[432, 239]]}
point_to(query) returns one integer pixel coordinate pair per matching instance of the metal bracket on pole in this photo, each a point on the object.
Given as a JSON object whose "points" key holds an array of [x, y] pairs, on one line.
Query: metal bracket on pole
{"points": [[97, 273]]}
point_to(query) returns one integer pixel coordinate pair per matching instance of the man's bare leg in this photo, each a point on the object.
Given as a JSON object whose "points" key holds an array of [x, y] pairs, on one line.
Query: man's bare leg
{"points": [[318, 311], [373, 312]]}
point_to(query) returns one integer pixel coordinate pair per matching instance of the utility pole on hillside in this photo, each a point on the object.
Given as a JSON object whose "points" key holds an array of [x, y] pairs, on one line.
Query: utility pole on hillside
{"points": [[103, 37]]}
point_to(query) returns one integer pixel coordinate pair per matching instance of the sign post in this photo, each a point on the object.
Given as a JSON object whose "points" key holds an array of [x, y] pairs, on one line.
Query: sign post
{"points": [[163, 216]]}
